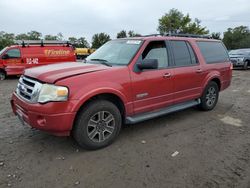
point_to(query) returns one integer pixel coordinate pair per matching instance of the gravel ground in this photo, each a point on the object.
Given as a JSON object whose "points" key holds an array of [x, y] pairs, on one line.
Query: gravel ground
{"points": [[184, 149]]}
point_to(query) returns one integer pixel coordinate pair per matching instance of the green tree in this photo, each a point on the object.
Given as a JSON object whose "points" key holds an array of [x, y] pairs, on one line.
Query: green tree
{"points": [[72, 40], [6, 39], [50, 37], [216, 35], [131, 33], [34, 35], [238, 37], [122, 34], [59, 36], [176, 22], [82, 43], [99, 39], [22, 36], [79, 42]]}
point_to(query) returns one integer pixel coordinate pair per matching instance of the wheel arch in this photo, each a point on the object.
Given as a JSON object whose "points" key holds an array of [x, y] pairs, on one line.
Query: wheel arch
{"points": [[109, 96], [217, 81], [213, 77]]}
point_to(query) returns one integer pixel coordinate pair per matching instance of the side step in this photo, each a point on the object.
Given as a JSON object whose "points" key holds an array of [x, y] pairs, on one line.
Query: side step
{"points": [[161, 112]]}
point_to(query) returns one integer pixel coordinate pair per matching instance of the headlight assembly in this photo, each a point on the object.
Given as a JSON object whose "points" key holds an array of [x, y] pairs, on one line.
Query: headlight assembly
{"points": [[240, 59], [50, 92]]}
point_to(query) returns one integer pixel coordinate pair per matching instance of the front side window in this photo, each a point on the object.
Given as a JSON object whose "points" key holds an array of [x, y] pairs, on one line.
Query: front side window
{"points": [[183, 53], [116, 52], [13, 53], [213, 52], [156, 50]]}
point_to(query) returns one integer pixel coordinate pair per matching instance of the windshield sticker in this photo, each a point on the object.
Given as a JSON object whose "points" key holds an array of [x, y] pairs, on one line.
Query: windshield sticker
{"points": [[133, 42]]}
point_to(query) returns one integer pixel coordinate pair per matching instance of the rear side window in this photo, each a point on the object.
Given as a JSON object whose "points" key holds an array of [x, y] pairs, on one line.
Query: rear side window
{"points": [[213, 52], [183, 53]]}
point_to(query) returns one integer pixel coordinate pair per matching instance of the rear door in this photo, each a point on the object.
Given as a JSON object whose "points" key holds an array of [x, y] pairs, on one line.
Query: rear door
{"points": [[187, 72], [152, 89]]}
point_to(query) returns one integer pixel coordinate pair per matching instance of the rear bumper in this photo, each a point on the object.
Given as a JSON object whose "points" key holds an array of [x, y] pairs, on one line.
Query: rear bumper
{"points": [[38, 116]]}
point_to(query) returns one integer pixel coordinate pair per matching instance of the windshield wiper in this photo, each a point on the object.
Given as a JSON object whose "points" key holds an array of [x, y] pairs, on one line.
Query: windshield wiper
{"points": [[102, 61]]}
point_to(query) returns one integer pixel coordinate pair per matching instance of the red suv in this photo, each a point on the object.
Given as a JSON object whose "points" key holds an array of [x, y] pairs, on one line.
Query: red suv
{"points": [[124, 82]]}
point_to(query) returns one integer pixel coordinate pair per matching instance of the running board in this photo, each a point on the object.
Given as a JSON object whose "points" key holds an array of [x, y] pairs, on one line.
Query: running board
{"points": [[161, 112]]}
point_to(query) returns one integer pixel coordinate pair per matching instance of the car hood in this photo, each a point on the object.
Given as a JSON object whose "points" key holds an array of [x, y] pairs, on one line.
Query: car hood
{"points": [[53, 73], [236, 56]]}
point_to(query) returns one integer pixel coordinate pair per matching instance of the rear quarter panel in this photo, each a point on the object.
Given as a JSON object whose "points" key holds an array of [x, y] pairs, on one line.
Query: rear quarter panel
{"points": [[219, 70]]}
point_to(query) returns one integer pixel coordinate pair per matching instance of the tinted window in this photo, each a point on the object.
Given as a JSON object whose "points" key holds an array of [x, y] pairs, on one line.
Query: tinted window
{"points": [[157, 50], [213, 52], [181, 53], [13, 53]]}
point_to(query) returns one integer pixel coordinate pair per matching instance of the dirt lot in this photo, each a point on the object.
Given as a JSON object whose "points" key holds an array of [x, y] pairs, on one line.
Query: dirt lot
{"points": [[214, 149]]}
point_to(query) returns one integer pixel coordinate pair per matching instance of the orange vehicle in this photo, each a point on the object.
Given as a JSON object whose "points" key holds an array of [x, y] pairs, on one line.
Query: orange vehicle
{"points": [[26, 54], [82, 53]]}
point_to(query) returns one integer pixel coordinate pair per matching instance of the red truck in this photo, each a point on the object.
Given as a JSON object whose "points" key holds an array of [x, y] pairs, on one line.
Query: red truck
{"points": [[124, 82], [15, 59]]}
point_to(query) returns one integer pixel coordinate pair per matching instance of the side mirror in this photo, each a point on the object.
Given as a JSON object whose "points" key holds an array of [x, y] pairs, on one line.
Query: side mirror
{"points": [[5, 56], [147, 64]]}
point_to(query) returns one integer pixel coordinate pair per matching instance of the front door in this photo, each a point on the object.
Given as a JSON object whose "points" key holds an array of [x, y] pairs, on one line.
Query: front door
{"points": [[13, 62], [152, 89]]}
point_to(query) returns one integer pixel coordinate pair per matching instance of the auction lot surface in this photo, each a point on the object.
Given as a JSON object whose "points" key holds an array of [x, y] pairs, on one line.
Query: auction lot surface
{"points": [[213, 149]]}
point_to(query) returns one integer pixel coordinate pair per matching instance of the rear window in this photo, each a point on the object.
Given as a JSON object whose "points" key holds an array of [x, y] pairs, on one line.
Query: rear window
{"points": [[213, 52]]}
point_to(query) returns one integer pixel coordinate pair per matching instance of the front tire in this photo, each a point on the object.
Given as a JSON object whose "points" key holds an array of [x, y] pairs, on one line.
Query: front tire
{"points": [[97, 125], [210, 96], [2, 75], [245, 67]]}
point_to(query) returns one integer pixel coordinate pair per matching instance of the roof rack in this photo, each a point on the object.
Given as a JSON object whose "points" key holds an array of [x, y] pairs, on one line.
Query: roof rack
{"points": [[180, 35], [41, 42]]}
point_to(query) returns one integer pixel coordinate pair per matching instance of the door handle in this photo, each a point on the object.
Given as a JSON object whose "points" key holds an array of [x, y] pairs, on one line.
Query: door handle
{"points": [[167, 75], [199, 70]]}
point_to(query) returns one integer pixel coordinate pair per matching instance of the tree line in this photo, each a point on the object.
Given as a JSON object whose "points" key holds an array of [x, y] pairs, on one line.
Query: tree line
{"points": [[172, 22]]}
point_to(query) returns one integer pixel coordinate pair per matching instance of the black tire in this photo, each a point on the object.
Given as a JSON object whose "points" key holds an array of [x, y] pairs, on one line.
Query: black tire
{"points": [[91, 126], [2, 75], [245, 67], [209, 97]]}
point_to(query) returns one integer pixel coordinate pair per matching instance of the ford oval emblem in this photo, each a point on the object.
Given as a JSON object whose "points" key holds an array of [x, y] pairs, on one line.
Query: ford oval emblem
{"points": [[22, 88]]}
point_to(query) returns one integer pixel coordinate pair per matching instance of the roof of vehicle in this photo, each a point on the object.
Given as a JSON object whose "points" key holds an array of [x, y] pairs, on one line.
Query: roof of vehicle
{"points": [[41, 43], [173, 36]]}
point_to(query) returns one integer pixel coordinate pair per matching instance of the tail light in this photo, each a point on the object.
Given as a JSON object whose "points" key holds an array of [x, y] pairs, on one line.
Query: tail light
{"points": [[231, 66]]}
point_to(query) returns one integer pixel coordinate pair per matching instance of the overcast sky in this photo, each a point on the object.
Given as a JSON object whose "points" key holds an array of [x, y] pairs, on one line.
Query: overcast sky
{"points": [[87, 17]]}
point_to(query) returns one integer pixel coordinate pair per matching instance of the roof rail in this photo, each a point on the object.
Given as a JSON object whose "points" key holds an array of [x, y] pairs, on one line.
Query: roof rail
{"points": [[189, 35], [40, 42], [180, 35]]}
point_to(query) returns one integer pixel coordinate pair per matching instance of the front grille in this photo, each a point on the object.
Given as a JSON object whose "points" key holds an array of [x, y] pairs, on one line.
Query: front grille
{"points": [[28, 89]]}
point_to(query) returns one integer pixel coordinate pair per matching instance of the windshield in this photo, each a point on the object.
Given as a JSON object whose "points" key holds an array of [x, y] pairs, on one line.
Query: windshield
{"points": [[240, 52], [116, 52], [2, 50]]}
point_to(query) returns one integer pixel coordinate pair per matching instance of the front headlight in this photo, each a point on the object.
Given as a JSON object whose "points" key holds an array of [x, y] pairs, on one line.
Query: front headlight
{"points": [[53, 93], [240, 59]]}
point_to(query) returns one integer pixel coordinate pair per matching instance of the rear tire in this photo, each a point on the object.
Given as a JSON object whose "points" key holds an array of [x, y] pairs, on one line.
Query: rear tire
{"points": [[209, 97], [2, 75], [245, 67], [97, 125]]}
